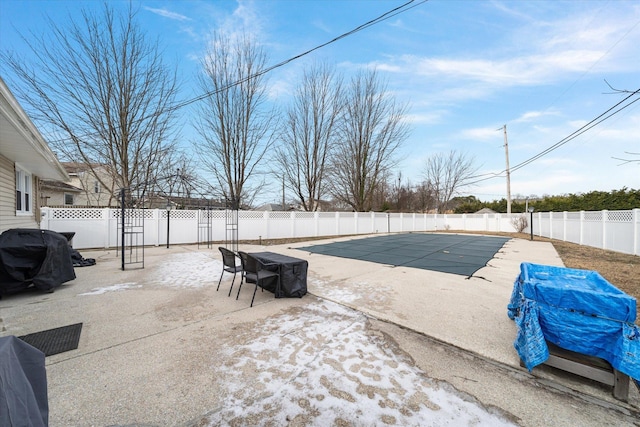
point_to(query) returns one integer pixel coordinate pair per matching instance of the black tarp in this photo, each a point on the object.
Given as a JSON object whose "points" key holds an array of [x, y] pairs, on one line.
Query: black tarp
{"points": [[23, 384], [41, 258], [293, 274]]}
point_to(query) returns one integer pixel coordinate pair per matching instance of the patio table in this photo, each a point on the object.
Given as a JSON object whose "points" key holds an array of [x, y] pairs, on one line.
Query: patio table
{"points": [[293, 274]]}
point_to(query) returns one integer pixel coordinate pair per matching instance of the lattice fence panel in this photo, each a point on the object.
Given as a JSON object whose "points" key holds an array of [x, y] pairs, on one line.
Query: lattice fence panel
{"points": [[279, 215], [620, 216], [251, 215], [180, 214], [132, 213], [305, 215], [76, 213], [593, 216]]}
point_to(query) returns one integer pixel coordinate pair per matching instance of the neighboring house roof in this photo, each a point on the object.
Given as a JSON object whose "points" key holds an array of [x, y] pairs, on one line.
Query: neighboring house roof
{"points": [[58, 186], [271, 207], [74, 168], [22, 143], [485, 211]]}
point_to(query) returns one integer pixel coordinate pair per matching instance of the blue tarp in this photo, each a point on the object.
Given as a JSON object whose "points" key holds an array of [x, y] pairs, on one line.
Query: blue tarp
{"points": [[577, 310]]}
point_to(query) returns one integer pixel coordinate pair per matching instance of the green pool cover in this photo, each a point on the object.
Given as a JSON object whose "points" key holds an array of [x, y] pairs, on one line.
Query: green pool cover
{"points": [[447, 253]]}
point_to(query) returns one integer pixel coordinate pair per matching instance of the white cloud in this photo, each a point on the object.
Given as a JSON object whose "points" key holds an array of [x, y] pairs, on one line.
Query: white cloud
{"points": [[168, 14], [425, 118], [532, 115], [280, 89], [322, 26], [398, 23], [577, 124], [483, 134], [535, 53], [525, 70]]}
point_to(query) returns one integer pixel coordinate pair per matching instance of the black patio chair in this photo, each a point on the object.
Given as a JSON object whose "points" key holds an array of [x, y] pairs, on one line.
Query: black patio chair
{"points": [[229, 265], [254, 271]]}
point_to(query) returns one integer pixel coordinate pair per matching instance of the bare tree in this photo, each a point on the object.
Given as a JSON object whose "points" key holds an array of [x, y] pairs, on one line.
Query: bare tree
{"points": [[629, 159], [308, 134], [179, 182], [424, 197], [447, 174], [234, 125], [102, 87], [371, 131]]}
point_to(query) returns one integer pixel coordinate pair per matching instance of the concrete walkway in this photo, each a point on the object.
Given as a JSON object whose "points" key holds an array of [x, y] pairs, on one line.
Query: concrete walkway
{"points": [[369, 345]]}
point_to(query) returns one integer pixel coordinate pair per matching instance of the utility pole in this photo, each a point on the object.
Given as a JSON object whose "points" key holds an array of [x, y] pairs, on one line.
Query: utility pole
{"points": [[506, 152]]}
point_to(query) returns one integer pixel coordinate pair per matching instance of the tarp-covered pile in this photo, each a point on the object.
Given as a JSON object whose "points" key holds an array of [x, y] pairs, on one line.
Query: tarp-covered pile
{"points": [[577, 310]]}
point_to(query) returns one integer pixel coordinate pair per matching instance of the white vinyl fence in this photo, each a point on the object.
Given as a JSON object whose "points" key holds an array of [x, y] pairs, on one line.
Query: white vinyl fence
{"points": [[98, 228]]}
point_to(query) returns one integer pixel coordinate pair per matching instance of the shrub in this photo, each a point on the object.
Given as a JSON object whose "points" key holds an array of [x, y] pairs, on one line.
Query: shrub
{"points": [[520, 223]]}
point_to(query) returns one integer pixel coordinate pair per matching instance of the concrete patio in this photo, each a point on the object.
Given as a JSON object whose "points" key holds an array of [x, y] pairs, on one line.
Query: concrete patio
{"points": [[369, 345]]}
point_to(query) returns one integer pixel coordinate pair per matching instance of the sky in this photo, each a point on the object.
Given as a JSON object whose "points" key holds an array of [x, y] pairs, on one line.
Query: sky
{"points": [[465, 69]]}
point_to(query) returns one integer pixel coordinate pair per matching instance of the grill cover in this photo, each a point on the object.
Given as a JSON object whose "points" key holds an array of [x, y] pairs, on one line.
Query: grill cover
{"points": [[41, 258]]}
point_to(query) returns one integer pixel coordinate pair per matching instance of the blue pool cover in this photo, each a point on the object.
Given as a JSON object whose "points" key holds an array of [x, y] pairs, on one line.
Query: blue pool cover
{"points": [[447, 253], [577, 310]]}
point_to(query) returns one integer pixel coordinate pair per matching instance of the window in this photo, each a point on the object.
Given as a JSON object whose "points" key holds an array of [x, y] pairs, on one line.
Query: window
{"points": [[96, 187], [23, 191], [68, 199]]}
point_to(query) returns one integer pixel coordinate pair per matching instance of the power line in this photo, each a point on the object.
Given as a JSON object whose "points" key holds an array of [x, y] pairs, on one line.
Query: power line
{"points": [[594, 122], [492, 175], [389, 14]]}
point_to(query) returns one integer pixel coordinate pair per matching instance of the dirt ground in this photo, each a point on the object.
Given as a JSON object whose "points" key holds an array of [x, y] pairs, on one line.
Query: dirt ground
{"points": [[622, 270]]}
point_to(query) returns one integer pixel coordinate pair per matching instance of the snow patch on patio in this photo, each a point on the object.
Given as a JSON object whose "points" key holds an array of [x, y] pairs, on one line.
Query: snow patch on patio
{"points": [[321, 365], [112, 288], [347, 292], [188, 270]]}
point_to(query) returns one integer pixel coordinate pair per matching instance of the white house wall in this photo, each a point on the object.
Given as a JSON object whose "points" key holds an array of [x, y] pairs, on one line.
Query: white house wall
{"points": [[8, 217]]}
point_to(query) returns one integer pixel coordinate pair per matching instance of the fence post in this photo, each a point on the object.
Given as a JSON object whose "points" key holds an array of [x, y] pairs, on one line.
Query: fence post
{"points": [[635, 217], [604, 228], [337, 223], [106, 218], [355, 219], [581, 227], [44, 218], [265, 216], [292, 218]]}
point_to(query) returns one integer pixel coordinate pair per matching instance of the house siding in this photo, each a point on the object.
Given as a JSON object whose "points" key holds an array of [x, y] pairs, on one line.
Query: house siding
{"points": [[86, 181], [8, 217]]}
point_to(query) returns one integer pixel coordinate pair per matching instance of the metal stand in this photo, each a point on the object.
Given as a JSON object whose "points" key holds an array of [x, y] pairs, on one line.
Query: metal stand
{"points": [[130, 232], [205, 230], [231, 225]]}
